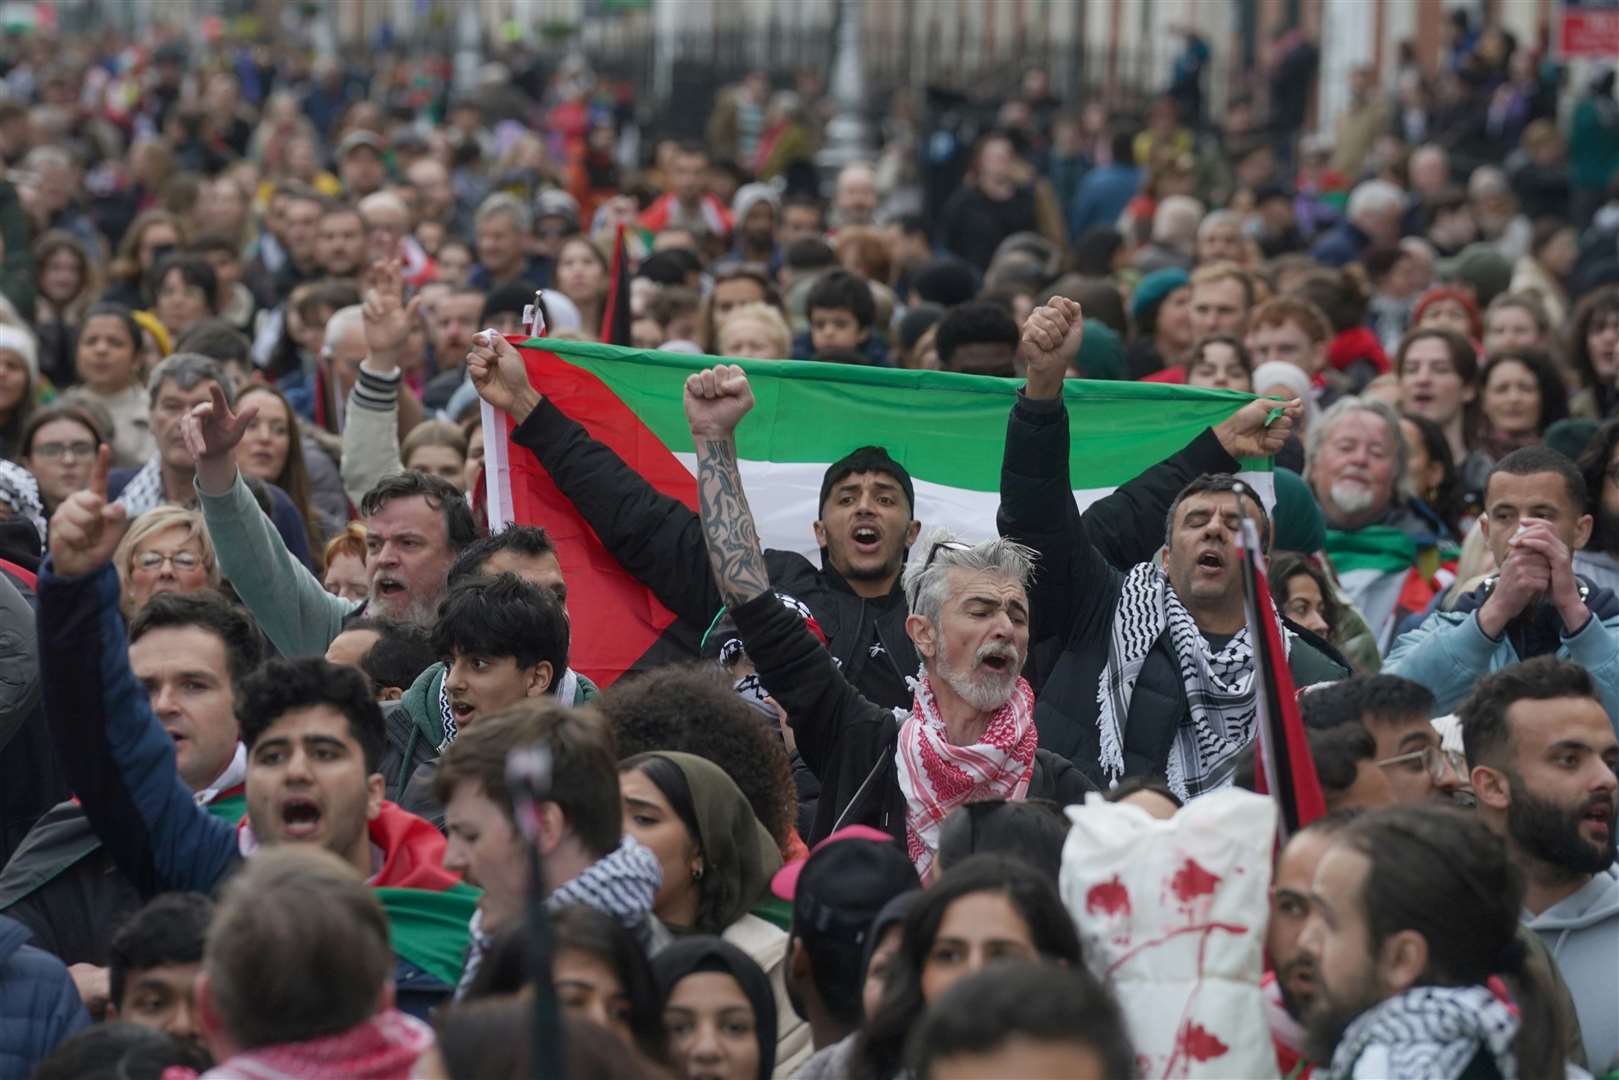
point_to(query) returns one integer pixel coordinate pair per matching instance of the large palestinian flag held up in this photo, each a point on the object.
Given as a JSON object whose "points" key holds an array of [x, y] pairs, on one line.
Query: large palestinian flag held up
{"points": [[947, 429]]}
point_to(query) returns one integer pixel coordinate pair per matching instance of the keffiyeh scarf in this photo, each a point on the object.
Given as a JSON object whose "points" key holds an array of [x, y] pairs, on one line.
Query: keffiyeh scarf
{"points": [[622, 884], [1219, 685], [384, 1047], [938, 776], [1430, 1033], [145, 489], [20, 491]]}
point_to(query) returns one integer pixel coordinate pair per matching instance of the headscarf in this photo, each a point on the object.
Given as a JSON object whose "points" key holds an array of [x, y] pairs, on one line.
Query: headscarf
{"points": [[739, 855], [695, 955]]}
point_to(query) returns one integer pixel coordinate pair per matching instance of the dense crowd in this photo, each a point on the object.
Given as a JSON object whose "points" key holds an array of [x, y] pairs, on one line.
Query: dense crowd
{"points": [[298, 777]]}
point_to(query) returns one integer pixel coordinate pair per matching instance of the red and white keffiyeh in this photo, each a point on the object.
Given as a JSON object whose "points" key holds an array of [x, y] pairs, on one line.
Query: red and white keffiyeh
{"points": [[937, 776]]}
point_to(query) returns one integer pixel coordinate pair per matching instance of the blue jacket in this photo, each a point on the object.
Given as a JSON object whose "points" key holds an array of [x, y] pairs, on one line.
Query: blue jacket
{"points": [[121, 764], [1102, 196], [1340, 245], [39, 1005], [1450, 652]]}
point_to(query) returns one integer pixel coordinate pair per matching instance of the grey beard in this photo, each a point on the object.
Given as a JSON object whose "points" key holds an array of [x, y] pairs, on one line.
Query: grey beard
{"points": [[1350, 497], [987, 694]]}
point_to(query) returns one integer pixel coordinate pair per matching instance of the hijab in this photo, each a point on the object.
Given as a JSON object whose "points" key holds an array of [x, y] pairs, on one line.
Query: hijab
{"points": [[702, 953], [739, 855]]}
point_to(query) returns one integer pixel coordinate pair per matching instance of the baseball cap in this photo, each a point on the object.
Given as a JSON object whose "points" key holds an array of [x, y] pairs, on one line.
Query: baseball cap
{"points": [[786, 881], [356, 139]]}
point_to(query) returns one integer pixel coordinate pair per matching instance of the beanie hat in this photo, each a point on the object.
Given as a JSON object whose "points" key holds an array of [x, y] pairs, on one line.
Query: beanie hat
{"points": [[1153, 289], [1483, 267], [1293, 377], [748, 196], [16, 339], [867, 459], [1101, 352], [1449, 292]]}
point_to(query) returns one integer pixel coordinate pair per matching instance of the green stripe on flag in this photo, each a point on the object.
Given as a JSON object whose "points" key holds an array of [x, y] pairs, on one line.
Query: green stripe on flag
{"points": [[944, 427], [430, 928], [1382, 548], [228, 808]]}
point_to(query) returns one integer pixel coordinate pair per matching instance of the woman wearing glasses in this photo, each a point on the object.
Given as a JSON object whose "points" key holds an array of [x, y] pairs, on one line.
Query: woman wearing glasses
{"points": [[59, 447], [165, 550]]}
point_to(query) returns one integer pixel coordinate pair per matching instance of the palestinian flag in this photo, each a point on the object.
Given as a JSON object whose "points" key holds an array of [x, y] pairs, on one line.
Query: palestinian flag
{"points": [[1284, 766], [1388, 575], [947, 429]]}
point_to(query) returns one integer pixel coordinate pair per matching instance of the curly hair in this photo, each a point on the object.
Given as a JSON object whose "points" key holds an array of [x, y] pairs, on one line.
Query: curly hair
{"points": [[692, 708]]}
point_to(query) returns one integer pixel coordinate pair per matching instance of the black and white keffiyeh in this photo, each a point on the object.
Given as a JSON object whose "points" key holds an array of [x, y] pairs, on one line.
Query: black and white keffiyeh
{"points": [[145, 489], [20, 491], [565, 690], [1430, 1033], [1219, 685]]}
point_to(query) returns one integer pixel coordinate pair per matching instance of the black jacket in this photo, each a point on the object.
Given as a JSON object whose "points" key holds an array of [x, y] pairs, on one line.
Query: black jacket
{"points": [[659, 540], [845, 739], [1072, 601], [63, 885], [30, 781]]}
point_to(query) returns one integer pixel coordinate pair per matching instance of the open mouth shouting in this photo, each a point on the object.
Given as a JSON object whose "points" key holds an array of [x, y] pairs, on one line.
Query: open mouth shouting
{"points": [[1210, 561], [867, 538], [389, 588], [998, 659], [300, 818], [462, 709]]}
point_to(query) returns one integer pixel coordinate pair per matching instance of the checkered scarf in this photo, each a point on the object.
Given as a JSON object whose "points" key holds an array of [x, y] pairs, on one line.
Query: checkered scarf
{"points": [[937, 776], [1430, 1033], [1219, 685], [145, 489]]}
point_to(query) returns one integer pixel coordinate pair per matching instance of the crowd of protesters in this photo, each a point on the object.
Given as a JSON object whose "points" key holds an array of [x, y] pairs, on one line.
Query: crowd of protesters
{"points": [[266, 670]]}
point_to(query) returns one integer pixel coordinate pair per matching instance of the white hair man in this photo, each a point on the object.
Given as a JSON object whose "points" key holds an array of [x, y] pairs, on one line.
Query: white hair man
{"points": [[1372, 219], [969, 734]]}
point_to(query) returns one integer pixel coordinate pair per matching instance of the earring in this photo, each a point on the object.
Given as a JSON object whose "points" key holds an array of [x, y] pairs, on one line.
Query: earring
{"points": [[697, 873]]}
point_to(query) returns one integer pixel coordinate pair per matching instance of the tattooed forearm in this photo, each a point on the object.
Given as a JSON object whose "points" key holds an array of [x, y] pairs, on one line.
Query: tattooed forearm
{"points": [[733, 541]]}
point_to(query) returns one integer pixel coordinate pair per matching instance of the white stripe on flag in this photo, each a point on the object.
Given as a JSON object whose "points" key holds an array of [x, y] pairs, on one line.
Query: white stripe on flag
{"points": [[497, 470], [784, 499]]}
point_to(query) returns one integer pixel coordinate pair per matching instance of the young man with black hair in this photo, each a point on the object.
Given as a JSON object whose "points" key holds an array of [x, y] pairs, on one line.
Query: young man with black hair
{"points": [[1345, 759], [1395, 711], [1146, 668], [189, 654], [1543, 756], [842, 313], [153, 965], [978, 339], [866, 523], [393, 655], [1536, 605], [314, 739]]}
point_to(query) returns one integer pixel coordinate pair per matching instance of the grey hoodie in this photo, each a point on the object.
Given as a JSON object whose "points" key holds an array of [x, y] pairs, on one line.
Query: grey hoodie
{"points": [[1582, 933]]}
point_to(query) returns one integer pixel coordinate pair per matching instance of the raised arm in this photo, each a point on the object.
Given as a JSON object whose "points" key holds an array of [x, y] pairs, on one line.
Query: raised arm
{"points": [[117, 758], [652, 536], [292, 608], [372, 425], [797, 670]]}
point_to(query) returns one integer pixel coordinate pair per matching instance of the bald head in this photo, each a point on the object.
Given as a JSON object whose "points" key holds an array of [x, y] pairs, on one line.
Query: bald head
{"points": [[855, 200]]}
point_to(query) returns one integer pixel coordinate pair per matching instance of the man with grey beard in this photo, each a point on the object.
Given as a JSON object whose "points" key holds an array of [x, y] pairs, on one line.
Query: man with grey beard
{"points": [[969, 734], [1384, 550]]}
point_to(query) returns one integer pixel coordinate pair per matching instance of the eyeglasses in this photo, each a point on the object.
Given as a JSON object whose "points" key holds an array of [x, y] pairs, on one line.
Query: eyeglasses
{"points": [[74, 450], [944, 545], [154, 560], [1434, 759]]}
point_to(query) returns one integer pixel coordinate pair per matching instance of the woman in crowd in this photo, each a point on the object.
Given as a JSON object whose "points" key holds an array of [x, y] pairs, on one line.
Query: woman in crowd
{"points": [[165, 550], [346, 575], [1449, 308], [150, 236], [1521, 395], [59, 447], [19, 386], [1593, 353], [985, 908], [1433, 477], [69, 282], [1515, 321], [582, 276], [438, 448], [1220, 362], [273, 451], [717, 861], [1438, 372], [755, 331], [181, 290], [718, 1009], [106, 361], [1545, 270], [1303, 594], [1161, 308], [602, 975]]}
